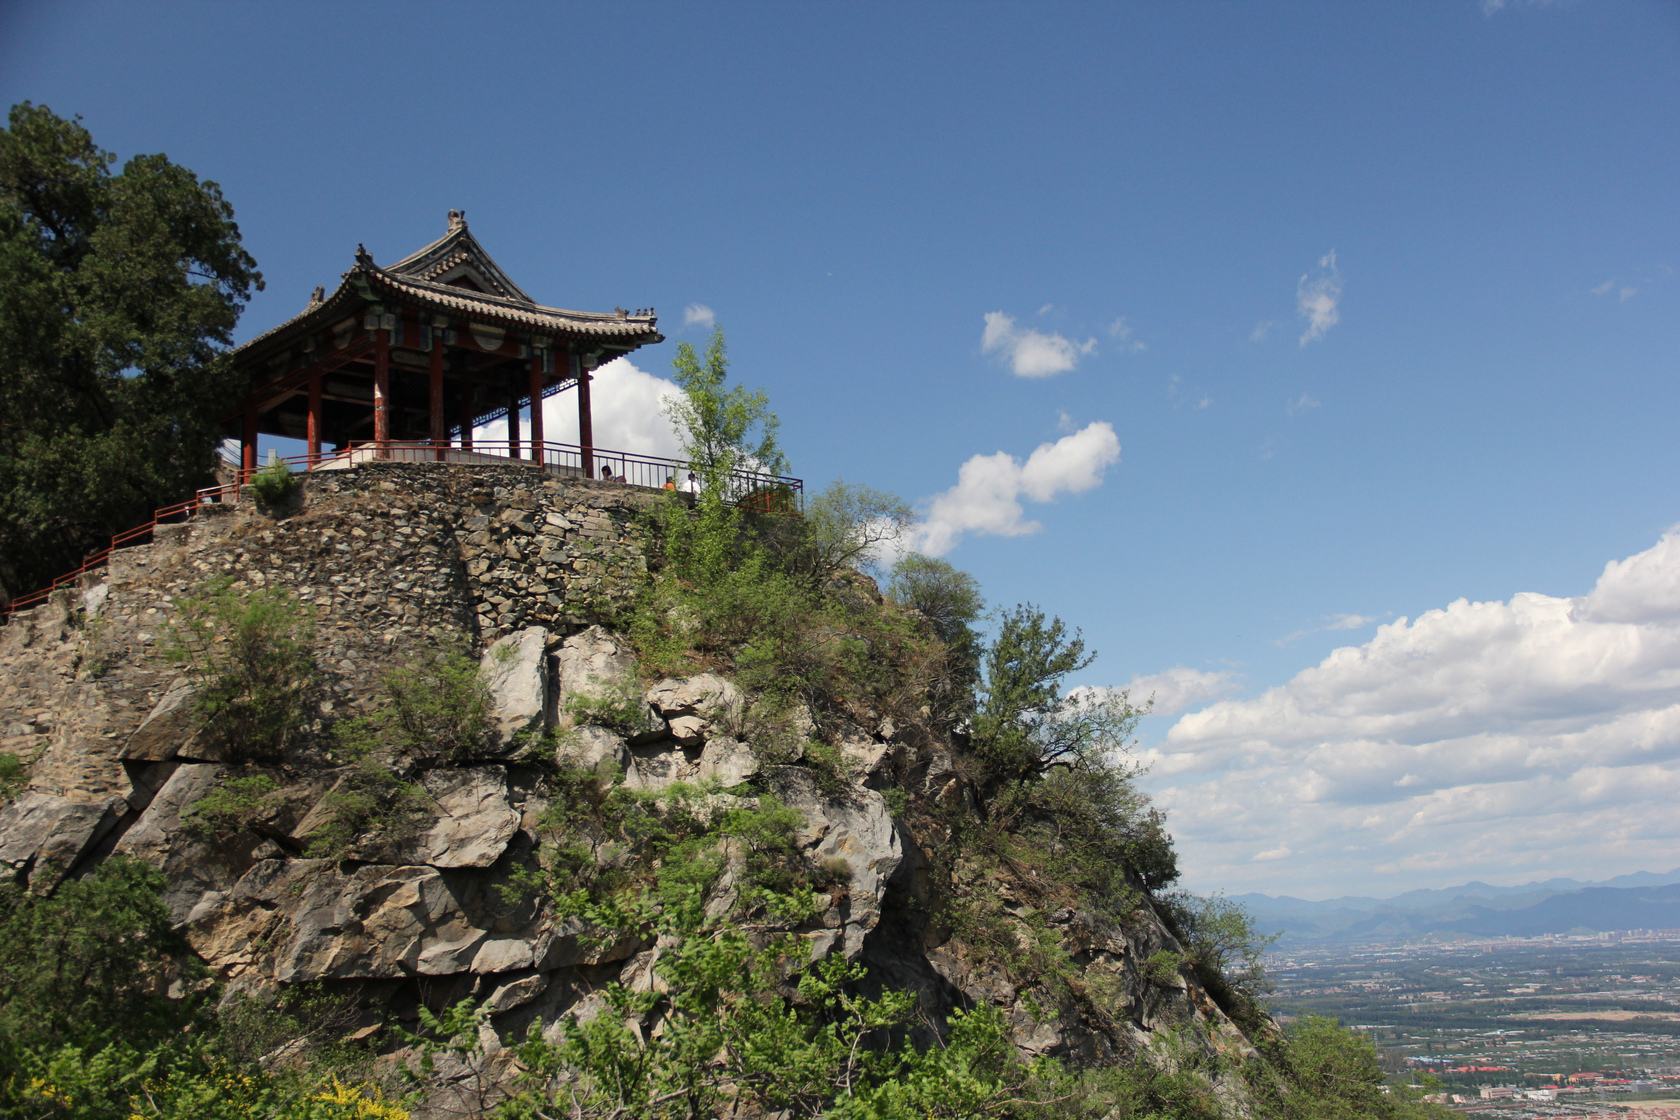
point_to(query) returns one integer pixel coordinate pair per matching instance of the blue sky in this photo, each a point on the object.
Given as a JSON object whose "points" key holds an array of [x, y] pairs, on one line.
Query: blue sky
{"points": [[1326, 315]]}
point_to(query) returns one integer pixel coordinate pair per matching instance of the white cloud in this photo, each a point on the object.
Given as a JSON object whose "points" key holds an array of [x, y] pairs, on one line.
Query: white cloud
{"points": [[1463, 743], [1625, 293], [1318, 298], [1180, 687], [1261, 330], [1271, 854], [1604, 289], [626, 407], [990, 488], [699, 315], [1029, 352], [1301, 404], [1121, 331]]}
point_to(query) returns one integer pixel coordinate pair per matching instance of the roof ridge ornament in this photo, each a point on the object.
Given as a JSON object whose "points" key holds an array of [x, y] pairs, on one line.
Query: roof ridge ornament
{"points": [[457, 220], [318, 296], [363, 257]]}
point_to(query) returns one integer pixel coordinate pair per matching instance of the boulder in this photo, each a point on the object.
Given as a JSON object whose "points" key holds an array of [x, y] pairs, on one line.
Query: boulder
{"points": [[855, 831], [595, 749], [697, 707], [46, 833], [515, 671], [865, 757], [726, 761], [474, 820], [170, 726], [303, 919], [598, 672], [152, 836], [515, 993]]}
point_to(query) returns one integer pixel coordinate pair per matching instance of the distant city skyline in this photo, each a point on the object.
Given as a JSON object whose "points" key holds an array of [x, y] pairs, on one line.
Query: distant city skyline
{"points": [[1318, 360]]}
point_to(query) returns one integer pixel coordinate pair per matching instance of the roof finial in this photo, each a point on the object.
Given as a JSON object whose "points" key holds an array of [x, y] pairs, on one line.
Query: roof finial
{"points": [[363, 257], [317, 296], [457, 220]]}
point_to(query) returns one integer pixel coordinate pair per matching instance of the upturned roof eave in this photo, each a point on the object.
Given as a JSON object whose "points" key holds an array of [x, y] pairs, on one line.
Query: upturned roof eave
{"points": [[632, 331]]}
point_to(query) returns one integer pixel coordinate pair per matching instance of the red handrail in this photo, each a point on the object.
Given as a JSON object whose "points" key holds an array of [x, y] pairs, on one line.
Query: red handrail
{"points": [[752, 489]]}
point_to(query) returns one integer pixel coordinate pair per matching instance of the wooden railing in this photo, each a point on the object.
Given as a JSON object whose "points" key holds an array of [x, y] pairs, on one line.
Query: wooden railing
{"points": [[755, 490]]}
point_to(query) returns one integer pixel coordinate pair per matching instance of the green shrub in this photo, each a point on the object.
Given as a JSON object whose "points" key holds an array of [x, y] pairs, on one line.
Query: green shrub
{"points": [[624, 712], [250, 656], [1162, 968], [372, 806], [229, 807], [434, 705], [274, 485], [13, 776]]}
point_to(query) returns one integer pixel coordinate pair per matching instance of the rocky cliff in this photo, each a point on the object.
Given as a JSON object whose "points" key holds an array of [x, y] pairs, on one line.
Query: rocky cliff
{"points": [[522, 571]]}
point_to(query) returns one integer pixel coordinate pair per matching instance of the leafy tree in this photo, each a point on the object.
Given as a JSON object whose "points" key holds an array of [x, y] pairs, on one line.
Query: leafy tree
{"points": [[723, 429], [1225, 950], [950, 601], [1025, 725], [90, 964], [842, 527], [118, 294], [1334, 1075]]}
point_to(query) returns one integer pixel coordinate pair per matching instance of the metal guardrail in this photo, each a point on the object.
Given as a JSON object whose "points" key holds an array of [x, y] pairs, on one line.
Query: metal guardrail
{"points": [[766, 493]]}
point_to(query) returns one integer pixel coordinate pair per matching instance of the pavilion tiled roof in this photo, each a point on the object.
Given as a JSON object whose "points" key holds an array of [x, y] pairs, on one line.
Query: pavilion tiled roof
{"points": [[414, 280]]}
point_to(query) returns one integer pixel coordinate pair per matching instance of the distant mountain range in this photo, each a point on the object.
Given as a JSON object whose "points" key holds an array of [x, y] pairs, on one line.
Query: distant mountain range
{"points": [[1643, 900]]}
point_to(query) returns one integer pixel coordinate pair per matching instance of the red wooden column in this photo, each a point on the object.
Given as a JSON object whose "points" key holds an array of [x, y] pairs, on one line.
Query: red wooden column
{"points": [[313, 426], [513, 423], [440, 436], [586, 426], [248, 441], [382, 390], [536, 406]]}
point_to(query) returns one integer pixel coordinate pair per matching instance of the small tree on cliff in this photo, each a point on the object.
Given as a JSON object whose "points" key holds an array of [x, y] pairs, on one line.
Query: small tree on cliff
{"points": [[118, 293], [723, 429]]}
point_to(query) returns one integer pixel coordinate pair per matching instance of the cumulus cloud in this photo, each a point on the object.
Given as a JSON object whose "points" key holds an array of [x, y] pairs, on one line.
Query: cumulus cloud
{"points": [[1467, 742], [627, 412], [1318, 298], [1173, 690], [990, 489], [1029, 352], [699, 315]]}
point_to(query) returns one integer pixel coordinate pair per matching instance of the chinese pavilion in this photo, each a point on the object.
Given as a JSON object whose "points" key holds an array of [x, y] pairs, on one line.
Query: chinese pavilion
{"points": [[416, 354]]}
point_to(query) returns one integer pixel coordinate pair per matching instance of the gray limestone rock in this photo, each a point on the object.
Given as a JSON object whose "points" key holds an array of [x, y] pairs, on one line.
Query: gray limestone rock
{"points": [[171, 726], [856, 831], [474, 820], [47, 833], [697, 707], [514, 669], [595, 749], [598, 671]]}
